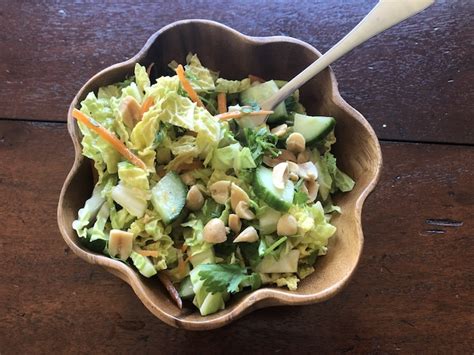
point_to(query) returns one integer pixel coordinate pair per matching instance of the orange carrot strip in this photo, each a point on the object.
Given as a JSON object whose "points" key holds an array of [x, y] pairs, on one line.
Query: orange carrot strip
{"points": [[221, 102], [144, 252], [254, 78], [109, 137], [149, 101], [171, 289], [181, 266], [187, 86], [239, 114]]}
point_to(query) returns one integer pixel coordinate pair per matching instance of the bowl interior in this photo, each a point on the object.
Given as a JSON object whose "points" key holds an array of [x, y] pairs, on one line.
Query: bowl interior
{"points": [[235, 56]]}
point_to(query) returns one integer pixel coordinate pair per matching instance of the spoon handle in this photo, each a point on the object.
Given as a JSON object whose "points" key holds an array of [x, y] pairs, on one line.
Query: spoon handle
{"points": [[384, 15]]}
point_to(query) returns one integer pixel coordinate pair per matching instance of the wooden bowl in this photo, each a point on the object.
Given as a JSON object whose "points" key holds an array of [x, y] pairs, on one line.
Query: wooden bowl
{"points": [[235, 55]]}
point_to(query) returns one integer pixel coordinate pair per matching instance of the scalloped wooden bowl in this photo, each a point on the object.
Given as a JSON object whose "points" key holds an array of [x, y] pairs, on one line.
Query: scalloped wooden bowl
{"points": [[235, 56]]}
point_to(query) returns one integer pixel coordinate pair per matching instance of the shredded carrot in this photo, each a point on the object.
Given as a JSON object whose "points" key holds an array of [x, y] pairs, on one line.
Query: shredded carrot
{"points": [[239, 114], [153, 253], [182, 262], [182, 265], [109, 137], [187, 86], [221, 102], [149, 101], [254, 78], [184, 247]]}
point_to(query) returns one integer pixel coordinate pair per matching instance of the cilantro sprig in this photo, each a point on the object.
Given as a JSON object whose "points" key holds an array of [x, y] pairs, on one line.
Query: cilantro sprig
{"points": [[261, 142], [225, 277]]}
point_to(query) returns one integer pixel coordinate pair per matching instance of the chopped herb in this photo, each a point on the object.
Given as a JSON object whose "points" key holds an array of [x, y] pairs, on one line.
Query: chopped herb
{"points": [[300, 198], [223, 277], [261, 142]]}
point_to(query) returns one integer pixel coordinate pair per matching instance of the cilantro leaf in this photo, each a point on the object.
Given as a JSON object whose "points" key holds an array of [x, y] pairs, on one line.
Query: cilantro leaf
{"points": [[224, 277], [261, 142], [269, 247], [253, 281], [274, 246], [300, 198], [290, 103], [250, 252], [209, 210], [225, 249]]}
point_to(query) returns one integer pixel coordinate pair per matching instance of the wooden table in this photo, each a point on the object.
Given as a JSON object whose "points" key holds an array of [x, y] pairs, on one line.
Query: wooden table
{"points": [[414, 289]]}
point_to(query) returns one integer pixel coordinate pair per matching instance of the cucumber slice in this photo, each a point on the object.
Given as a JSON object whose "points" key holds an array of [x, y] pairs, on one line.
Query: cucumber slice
{"points": [[313, 128], [169, 196], [267, 222], [207, 302], [186, 291], [281, 200], [261, 92]]}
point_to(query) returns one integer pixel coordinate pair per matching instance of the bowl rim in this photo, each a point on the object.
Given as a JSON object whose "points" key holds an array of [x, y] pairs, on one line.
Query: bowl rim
{"points": [[255, 299]]}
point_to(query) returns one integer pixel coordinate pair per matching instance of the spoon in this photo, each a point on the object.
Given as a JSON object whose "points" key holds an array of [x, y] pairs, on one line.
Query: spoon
{"points": [[385, 14]]}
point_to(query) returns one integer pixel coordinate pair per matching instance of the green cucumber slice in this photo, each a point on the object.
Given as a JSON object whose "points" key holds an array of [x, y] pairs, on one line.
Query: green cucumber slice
{"points": [[261, 92], [268, 221], [169, 196], [281, 200], [313, 128], [186, 291]]}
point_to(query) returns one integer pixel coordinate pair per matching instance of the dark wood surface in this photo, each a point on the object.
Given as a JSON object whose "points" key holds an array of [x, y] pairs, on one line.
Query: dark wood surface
{"points": [[414, 289], [416, 79], [412, 292]]}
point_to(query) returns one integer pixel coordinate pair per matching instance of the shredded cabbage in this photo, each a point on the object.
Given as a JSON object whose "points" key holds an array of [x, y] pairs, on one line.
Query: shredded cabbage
{"points": [[174, 136], [232, 86], [200, 77]]}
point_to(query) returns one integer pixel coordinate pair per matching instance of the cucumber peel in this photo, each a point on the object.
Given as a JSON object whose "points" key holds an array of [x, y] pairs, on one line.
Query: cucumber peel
{"points": [[280, 200], [169, 196], [313, 128], [259, 93]]}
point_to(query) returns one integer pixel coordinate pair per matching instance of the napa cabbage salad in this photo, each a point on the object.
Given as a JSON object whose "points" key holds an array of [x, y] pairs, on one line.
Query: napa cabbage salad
{"points": [[198, 187]]}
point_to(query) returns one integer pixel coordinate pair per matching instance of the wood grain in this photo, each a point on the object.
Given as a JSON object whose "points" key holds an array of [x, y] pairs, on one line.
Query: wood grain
{"points": [[412, 292], [412, 82]]}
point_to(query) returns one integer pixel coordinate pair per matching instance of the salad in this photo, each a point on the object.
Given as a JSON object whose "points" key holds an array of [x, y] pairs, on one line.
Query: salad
{"points": [[198, 187]]}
